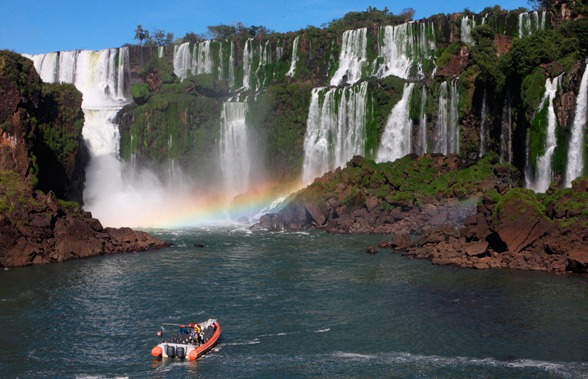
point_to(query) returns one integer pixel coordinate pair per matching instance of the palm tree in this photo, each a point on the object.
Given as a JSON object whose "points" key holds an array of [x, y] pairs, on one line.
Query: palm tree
{"points": [[141, 34]]}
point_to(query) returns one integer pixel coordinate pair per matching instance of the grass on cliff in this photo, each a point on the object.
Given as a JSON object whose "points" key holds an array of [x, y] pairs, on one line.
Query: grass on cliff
{"points": [[412, 178], [13, 189]]}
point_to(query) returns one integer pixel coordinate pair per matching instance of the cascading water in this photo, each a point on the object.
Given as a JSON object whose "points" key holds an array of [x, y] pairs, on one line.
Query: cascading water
{"points": [[422, 146], [182, 60], [102, 77], [353, 57], [530, 22], [442, 121], [194, 60], [402, 48], [335, 129], [467, 24], [247, 63], [232, 65], [453, 127], [483, 126], [543, 172], [292, 69], [447, 119], [235, 157], [575, 166], [506, 131], [396, 139]]}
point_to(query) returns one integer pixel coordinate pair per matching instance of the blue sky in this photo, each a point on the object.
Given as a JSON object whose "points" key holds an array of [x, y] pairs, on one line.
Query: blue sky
{"points": [[42, 26]]}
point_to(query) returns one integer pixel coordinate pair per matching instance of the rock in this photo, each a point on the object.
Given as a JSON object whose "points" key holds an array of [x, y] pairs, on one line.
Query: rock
{"points": [[371, 203], [578, 260], [371, 250], [384, 244], [476, 248], [401, 241]]}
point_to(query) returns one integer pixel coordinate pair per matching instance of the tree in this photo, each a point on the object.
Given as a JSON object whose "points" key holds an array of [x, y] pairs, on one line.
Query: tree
{"points": [[141, 34], [221, 32], [541, 4], [160, 38], [192, 37], [407, 13]]}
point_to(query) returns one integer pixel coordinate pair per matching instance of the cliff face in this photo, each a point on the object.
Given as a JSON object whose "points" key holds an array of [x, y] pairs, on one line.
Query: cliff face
{"points": [[42, 160], [41, 129], [482, 76]]}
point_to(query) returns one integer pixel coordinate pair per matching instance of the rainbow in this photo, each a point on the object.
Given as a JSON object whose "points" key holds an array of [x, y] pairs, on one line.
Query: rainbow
{"points": [[184, 208]]}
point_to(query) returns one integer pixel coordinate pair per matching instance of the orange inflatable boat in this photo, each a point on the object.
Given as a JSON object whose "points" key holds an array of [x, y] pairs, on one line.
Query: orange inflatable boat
{"points": [[191, 342]]}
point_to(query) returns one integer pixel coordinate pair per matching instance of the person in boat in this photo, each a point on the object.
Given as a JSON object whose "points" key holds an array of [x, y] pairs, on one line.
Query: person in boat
{"points": [[194, 333], [183, 329]]}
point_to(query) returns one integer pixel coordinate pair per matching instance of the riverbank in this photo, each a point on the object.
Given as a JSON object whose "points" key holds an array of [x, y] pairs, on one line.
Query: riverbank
{"points": [[451, 211]]}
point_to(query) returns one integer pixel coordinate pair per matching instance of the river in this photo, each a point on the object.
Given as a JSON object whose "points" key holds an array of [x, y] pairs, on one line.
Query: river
{"points": [[290, 305]]}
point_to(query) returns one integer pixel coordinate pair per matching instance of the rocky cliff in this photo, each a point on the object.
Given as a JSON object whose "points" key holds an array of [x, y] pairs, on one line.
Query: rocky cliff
{"points": [[42, 160], [449, 211]]}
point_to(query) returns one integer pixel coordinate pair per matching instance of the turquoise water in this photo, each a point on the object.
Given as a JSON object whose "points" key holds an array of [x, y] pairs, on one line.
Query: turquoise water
{"points": [[291, 305]]}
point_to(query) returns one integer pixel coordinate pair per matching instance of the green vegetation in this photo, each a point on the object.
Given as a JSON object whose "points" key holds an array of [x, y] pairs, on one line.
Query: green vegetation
{"points": [[140, 93], [412, 179]]}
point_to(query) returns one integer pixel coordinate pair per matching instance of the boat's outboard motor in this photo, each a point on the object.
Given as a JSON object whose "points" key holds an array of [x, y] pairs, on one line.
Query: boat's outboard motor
{"points": [[170, 351], [180, 352]]}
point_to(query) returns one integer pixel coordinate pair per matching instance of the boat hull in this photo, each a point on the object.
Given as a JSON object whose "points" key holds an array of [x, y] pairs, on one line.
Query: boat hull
{"points": [[172, 348]]}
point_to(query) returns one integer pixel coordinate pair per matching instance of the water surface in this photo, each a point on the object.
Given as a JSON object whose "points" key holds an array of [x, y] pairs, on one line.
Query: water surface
{"points": [[290, 305]]}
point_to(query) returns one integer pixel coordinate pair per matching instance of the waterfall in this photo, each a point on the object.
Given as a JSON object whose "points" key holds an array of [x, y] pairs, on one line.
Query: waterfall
{"points": [[483, 126], [335, 129], [543, 171], [530, 22], [235, 157], [453, 127], [192, 60], [182, 60], [467, 24], [396, 139], [232, 65], [447, 119], [247, 62], [403, 47], [506, 131], [423, 123], [353, 57], [292, 69], [102, 77], [575, 165], [442, 121], [201, 59]]}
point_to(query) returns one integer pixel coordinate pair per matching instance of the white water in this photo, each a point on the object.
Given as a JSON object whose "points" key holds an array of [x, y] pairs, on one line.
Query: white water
{"points": [[442, 121], [506, 132], [447, 119], [101, 77], [453, 127], [403, 47], [235, 157], [353, 57], [232, 65], [292, 69], [423, 123], [483, 126], [467, 24], [530, 22], [543, 173], [192, 60], [335, 130], [575, 165], [396, 139]]}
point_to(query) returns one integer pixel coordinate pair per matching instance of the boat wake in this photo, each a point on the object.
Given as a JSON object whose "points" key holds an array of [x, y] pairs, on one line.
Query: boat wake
{"points": [[563, 369]]}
